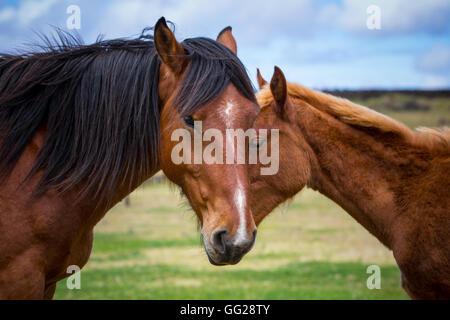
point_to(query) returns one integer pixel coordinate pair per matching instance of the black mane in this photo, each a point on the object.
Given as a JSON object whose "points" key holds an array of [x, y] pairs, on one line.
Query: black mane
{"points": [[99, 106]]}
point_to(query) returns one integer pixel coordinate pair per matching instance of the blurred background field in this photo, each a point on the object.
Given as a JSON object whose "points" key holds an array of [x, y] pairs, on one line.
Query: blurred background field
{"points": [[309, 249], [414, 108]]}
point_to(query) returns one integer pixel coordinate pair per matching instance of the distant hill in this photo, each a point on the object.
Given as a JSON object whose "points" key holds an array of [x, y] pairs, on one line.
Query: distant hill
{"points": [[415, 108], [366, 94]]}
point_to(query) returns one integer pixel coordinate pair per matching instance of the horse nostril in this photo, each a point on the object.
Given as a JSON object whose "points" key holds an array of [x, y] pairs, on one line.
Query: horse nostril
{"points": [[218, 240]]}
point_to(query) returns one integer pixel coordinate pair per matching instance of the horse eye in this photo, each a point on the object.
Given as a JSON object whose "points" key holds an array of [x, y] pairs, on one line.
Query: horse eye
{"points": [[189, 121]]}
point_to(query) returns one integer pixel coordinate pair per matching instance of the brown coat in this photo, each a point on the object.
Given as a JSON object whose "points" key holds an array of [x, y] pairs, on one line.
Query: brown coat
{"points": [[394, 181]]}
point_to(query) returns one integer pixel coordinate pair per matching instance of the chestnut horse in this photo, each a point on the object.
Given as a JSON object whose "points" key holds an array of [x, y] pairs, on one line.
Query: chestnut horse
{"points": [[394, 181], [81, 126]]}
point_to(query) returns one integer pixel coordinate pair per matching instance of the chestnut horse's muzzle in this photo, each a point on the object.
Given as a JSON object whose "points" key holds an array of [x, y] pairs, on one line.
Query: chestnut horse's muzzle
{"points": [[223, 251]]}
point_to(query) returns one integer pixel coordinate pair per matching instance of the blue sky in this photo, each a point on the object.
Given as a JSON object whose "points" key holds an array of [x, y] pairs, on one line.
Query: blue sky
{"points": [[320, 44]]}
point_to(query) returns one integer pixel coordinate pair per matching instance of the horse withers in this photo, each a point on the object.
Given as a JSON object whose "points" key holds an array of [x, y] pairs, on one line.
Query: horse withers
{"points": [[81, 126]]}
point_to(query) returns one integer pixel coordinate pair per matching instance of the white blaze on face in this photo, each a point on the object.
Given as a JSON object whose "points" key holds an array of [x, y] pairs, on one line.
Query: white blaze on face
{"points": [[239, 195], [239, 198], [228, 114], [228, 109]]}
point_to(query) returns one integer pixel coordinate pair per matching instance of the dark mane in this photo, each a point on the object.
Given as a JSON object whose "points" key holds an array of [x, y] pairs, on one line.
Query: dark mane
{"points": [[99, 106]]}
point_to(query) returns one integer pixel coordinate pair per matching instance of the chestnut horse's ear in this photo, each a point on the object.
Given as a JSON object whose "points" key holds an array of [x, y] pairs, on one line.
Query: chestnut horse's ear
{"points": [[261, 81], [170, 52], [278, 87], [226, 38]]}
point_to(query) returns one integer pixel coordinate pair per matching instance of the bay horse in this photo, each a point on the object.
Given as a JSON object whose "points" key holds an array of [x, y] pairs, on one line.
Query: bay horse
{"points": [[81, 126], [392, 180]]}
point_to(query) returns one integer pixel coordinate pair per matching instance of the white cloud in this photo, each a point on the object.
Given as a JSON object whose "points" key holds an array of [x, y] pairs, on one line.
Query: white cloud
{"points": [[397, 16], [7, 14], [31, 10], [252, 20], [435, 64], [435, 82], [27, 11], [435, 60]]}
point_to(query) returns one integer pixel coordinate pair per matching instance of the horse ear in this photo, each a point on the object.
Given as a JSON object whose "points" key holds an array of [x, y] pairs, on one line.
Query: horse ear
{"points": [[278, 87], [170, 52], [226, 38], [261, 81]]}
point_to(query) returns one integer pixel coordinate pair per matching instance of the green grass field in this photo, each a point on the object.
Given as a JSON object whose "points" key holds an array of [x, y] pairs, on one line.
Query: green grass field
{"points": [[310, 249]]}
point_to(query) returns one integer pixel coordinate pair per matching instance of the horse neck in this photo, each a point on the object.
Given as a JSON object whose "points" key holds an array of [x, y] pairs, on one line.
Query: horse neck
{"points": [[351, 168], [96, 206]]}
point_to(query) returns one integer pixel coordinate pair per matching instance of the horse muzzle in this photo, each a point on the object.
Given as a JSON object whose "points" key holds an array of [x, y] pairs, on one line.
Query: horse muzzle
{"points": [[222, 251]]}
